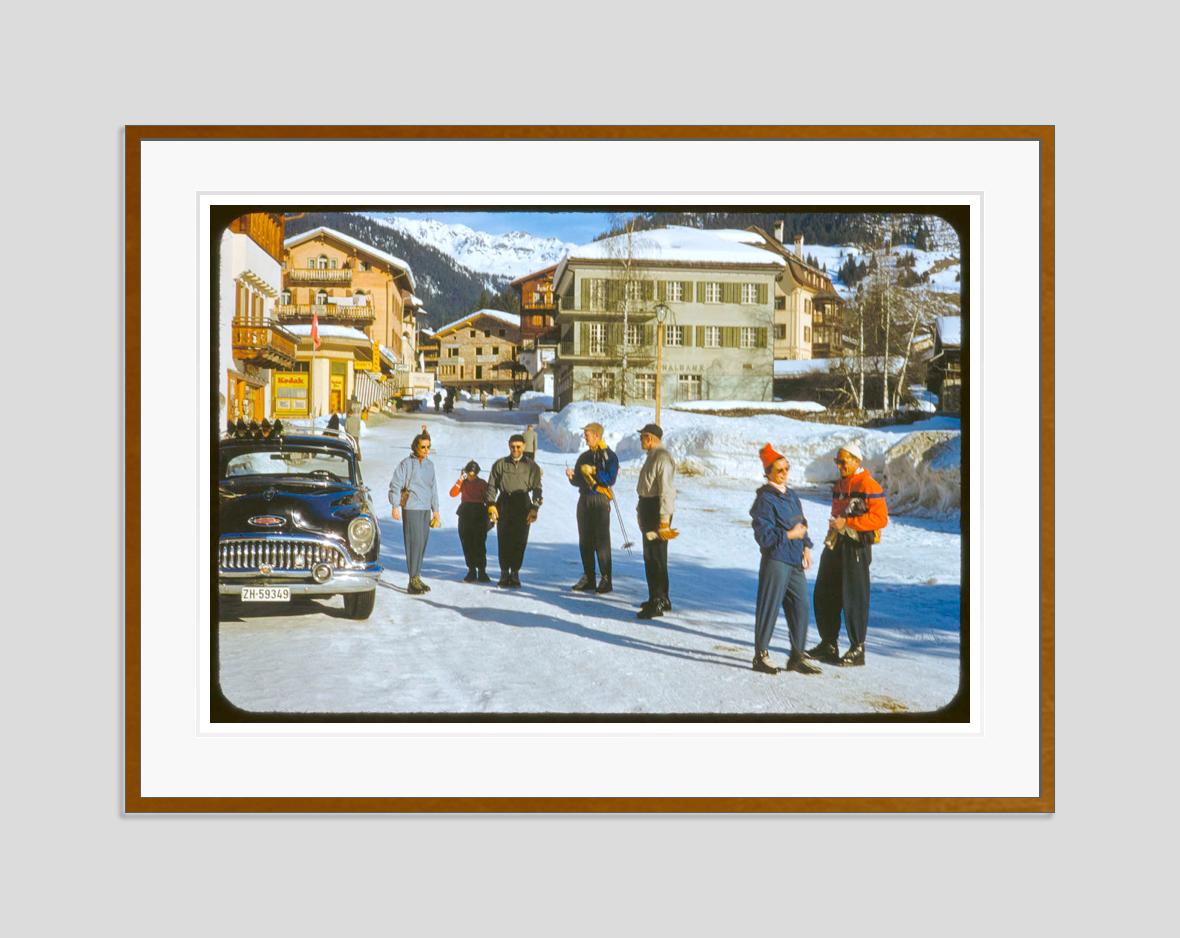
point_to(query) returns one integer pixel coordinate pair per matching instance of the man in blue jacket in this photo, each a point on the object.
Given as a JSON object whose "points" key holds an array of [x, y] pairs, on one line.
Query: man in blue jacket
{"points": [[781, 531], [593, 475]]}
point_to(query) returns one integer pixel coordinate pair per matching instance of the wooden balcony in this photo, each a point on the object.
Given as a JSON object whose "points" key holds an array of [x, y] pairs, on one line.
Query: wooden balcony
{"points": [[337, 313], [335, 276], [263, 344]]}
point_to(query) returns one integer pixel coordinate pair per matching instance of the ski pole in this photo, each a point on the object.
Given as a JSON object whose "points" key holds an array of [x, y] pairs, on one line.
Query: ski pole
{"points": [[627, 545]]}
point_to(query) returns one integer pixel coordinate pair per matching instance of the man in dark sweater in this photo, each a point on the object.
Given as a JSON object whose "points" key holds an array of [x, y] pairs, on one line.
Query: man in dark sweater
{"points": [[513, 499], [593, 475]]}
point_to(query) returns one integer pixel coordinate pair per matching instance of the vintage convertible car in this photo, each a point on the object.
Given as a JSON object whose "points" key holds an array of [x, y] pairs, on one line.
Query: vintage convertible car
{"points": [[295, 518]]}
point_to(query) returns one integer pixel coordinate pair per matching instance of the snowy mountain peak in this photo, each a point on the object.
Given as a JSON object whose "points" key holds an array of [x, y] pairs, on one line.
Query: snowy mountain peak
{"points": [[506, 255]]}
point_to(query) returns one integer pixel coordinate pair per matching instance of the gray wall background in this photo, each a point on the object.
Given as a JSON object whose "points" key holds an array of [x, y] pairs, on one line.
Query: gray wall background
{"points": [[75, 76]]}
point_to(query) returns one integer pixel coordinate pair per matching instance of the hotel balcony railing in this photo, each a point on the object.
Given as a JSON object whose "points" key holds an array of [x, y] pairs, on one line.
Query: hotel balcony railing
{"points": [[263, 343], [329, 312], [337, 276]]}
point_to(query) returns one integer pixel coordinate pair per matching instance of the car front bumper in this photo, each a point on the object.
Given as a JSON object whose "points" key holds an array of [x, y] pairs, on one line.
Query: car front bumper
{"points": [[300, 582]]}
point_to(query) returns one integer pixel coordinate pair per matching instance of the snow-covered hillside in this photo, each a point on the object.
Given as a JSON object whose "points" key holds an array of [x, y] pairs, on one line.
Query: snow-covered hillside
{"points": [[833, 256], [505, 255]]}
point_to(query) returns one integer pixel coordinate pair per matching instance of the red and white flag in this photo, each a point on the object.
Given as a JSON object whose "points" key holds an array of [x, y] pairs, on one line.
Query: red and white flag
{"points": [[315, 331]]}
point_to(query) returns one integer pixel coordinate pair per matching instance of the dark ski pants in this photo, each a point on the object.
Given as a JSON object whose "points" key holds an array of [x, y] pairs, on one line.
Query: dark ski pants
{"points": [[842, 584], [780, 586], [415, 533], [473, 534], [594, 532], [514, 510], [655, 551]]}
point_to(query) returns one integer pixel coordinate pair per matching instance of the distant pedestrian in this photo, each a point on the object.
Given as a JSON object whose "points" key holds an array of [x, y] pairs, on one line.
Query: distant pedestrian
{"points": [[352, 423], [473, 522], [593, 475], [437, 401], [657, 500], [781, 532], [530, 443], [413, 493], [513, 499], [859, 513], [483, 399]]}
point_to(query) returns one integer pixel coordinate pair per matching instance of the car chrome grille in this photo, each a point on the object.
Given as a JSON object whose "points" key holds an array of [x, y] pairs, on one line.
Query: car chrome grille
{"points": [[280, 554]]}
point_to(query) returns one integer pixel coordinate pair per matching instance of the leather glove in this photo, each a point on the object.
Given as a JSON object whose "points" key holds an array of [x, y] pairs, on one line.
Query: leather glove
{"points": [[588, 471], [666, 533], [435, 521], [493, 514], [604, 490], [532, 516]]}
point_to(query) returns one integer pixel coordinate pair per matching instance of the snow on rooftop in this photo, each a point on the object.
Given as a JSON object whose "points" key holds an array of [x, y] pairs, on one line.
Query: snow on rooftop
{"points": [[329, 332], [950, 330], [796, 368], [678, 243], [768, 406], [359, 245], [509, 318], [784, 368]]}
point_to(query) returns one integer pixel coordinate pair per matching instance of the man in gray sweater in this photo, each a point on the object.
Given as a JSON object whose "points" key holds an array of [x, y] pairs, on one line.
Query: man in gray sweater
{"points": [[657, 500], [513, 499]]}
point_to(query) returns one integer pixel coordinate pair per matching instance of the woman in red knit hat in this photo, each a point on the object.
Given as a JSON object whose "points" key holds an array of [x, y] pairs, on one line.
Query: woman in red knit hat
{"points": [[781, 531]]}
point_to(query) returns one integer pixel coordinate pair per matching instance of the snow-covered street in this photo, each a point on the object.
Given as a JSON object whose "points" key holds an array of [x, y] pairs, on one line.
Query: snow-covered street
{"points": [[475, 648]]}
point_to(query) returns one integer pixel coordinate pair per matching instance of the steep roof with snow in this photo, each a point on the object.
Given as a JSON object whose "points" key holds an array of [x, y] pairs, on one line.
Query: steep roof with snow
{"points": [[802, 271], [508, 318], [950, 330], [536, 273], [678, 244], [377, 253]]}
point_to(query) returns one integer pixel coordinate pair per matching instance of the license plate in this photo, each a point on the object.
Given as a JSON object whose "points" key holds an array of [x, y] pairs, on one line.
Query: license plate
{"points": [[266, 594]]}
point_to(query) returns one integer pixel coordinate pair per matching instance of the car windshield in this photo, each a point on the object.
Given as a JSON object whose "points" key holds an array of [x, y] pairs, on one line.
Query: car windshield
{"points": [[295, 463]]}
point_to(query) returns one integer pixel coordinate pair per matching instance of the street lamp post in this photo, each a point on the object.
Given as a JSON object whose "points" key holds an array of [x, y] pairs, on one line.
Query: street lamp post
{"points": [[661, 312]]}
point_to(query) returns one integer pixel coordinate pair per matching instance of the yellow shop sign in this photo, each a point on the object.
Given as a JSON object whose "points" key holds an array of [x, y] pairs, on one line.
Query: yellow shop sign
{"points": [[290, 393]]}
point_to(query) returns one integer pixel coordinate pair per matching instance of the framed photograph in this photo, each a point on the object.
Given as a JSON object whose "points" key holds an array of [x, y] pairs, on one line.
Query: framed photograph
{"points": [[535, 469]]}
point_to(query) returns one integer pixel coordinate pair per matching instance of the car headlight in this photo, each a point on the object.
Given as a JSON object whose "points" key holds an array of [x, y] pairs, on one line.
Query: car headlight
{"points": [[361, 532]]}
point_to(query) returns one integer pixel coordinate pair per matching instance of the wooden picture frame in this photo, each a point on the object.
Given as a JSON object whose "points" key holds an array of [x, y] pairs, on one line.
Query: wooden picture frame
{"points": [[196, 793]]}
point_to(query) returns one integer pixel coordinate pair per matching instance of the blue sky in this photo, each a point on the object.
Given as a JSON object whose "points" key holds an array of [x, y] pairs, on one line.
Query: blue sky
{"points": [[578, 227]]}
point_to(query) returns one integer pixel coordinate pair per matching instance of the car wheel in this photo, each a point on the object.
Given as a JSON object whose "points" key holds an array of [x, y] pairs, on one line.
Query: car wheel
{"points": [[359, 605]]}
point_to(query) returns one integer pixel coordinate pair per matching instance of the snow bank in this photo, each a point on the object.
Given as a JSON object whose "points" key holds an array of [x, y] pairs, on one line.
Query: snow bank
{"points": [[535, 401], [314, 424], [925, 400], [922, 474], [727, 447]]}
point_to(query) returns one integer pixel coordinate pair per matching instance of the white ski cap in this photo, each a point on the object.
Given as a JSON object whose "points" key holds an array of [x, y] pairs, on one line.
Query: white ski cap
{"points": [[853, 449]]}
